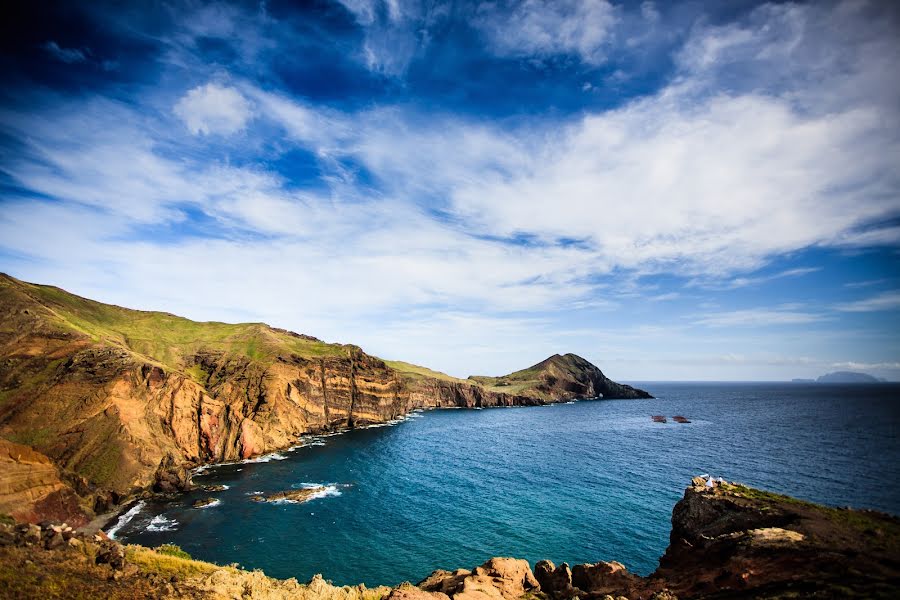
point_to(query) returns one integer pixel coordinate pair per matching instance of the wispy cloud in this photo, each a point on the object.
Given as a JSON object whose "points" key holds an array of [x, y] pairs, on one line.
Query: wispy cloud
{"points": [[538, 29], [866, 283], [880, 302], [66, 55], [759, 317]]}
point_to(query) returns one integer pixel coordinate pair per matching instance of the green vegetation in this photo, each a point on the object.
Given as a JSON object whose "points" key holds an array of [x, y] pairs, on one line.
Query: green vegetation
{"points": [[859, 520], [163, 563], [31, 437], [755, 494], [6, 519], [415, 372], [173, 550], [166, 338], [514, 383]]}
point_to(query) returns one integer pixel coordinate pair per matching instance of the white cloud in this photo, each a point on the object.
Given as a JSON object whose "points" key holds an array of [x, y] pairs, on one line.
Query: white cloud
{"points": [[879, 302], [214, 109], [546, 28], [758, 317], [66, 55]]}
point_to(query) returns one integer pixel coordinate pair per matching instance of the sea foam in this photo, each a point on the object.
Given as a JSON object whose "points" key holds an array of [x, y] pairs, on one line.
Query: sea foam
{"points": [[124, 519], [161, 523]]}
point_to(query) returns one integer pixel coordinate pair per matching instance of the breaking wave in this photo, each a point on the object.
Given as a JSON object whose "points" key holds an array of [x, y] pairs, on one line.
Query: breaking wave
{"points": [[124, 519], [161, 523]]}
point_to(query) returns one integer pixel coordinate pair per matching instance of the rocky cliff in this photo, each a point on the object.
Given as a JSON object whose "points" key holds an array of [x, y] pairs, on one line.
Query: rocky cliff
{"points": [[123, 400], [560, 378], [727, 541]]}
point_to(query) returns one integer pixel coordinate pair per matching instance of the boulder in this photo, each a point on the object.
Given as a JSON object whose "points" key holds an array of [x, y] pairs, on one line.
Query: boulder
{"points": [[604, 578], [446, 582], [555, 581], [496, 579], [407, 591], [112, 554]]}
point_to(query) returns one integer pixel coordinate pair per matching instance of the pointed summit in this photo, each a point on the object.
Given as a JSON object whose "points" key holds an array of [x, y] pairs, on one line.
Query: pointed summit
{"points": [[560, 378]]}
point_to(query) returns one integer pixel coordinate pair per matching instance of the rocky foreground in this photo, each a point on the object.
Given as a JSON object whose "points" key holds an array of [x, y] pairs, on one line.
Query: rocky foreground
{"points": [[727, 541]]}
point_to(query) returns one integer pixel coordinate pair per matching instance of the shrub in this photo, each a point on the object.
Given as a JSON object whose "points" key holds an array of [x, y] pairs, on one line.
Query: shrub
{"points": [[173, 550]]}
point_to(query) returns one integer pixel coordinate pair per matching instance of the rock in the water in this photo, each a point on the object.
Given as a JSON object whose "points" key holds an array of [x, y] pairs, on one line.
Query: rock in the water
{"points": [[301, 495], [203, 502]]}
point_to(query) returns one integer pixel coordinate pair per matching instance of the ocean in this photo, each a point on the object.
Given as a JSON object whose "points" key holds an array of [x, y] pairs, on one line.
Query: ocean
{"points": [[578, 482]]}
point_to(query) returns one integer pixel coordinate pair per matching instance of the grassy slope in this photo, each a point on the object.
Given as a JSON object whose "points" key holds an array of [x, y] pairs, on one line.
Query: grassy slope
{"points": [[514, 383], [167, 338], [414, 372]]}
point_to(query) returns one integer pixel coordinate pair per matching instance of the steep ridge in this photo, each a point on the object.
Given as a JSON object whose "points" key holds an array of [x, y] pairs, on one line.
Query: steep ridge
{"points": [[123, 400], [560, 378], [727, 541]]}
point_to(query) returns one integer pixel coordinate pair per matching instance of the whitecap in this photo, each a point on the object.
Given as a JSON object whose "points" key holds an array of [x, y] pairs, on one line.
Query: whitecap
{"points": [[161, 523], [264, 458], [124, 519]]}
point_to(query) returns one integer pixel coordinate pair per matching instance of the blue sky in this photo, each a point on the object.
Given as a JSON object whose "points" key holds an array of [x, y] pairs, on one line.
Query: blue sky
{"points": [[679, 191]]}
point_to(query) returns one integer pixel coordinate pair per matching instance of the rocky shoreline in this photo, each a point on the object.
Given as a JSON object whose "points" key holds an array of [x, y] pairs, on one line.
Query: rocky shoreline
{"points": [[727, 541]]}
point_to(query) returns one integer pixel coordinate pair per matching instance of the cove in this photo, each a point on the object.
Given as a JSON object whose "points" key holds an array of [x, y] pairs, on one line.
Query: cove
{"points": [[580, 482]]}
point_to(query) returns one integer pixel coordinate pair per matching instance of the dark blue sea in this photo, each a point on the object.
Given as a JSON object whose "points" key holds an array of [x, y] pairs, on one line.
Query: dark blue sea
{"points": [[581, 482]]}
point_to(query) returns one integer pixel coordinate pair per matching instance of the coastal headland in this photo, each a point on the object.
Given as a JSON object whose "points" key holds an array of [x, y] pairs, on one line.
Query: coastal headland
{"points": [[101, 405]]}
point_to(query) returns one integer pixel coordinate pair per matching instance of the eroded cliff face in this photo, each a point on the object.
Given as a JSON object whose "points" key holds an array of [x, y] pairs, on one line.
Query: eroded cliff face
{"points": [[31, 488], [128, 400], [438, 393], [125, 422]]}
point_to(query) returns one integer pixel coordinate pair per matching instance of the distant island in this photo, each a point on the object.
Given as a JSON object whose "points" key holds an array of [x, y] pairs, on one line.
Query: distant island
{"points": [[843, 377]]}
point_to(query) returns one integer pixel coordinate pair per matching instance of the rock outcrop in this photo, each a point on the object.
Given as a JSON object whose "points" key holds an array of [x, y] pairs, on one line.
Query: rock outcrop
{"points": [[125, 401], [731, 537], [299, 495], [31, 488], [497, 579]]}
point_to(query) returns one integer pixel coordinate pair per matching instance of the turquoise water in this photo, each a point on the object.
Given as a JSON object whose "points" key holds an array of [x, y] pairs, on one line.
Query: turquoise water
{"points": [[582, 482]]}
